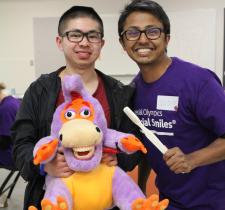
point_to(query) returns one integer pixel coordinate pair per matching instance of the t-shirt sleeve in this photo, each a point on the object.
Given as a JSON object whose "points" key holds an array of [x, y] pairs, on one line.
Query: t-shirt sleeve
{"points": [[210, 106]]}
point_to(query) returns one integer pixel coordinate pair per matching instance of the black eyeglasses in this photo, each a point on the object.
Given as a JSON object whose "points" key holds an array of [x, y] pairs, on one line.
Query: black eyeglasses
{"points": [[77, 36], [134, 33]]}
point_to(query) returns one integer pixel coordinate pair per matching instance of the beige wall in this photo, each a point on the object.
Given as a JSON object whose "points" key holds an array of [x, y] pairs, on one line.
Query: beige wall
{"points": [[17, 64]]}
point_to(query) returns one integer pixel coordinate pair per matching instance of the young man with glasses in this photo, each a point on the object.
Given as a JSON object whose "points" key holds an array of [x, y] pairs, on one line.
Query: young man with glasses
{"points": [[184, 105], [80, 38]]}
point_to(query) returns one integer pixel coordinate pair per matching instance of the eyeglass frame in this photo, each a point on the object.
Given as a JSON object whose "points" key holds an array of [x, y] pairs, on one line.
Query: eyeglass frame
{"points": [[84, 34], [142, 31]]}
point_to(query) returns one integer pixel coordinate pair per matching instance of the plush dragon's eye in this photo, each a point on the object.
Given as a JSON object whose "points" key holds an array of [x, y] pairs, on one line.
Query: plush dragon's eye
{"points": [[85, 113], [70, 115]]}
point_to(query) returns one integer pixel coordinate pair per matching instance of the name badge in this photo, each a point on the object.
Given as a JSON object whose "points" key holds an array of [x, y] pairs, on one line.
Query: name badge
{"points": [[169, 103]]}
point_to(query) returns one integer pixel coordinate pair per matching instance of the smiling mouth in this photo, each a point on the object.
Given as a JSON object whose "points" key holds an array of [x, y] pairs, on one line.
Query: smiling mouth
{"points": [[144, 49], [84, 153], [143, 52], [83, 55]]}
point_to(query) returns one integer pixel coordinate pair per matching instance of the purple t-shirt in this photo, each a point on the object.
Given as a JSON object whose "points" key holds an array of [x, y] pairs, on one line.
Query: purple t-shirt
{"points": [[185, 108], [8, 108]]}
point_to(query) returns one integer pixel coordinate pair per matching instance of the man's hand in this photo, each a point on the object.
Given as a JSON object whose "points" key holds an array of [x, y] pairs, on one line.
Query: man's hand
{"points": [[177, 161], [58, 166], [109, 159]]}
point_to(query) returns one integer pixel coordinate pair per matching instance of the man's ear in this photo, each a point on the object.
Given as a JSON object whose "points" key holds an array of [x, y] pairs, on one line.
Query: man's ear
{"points": [[59, 42], [103, 43], [167, 38], [122, 43]]}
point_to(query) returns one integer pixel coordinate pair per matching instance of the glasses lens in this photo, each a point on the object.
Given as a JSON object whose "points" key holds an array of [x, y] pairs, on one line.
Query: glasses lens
{"points": [[75, 36], [94, 37], [153, 33], [132, 34]]}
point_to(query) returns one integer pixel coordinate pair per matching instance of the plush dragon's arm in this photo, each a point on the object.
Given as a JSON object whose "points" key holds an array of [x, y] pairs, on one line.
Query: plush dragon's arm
{"points": [[125, 142], [45, 150]]}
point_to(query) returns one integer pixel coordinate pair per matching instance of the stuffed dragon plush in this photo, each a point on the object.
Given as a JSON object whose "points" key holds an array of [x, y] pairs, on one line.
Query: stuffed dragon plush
{"points": [[80, 127]]}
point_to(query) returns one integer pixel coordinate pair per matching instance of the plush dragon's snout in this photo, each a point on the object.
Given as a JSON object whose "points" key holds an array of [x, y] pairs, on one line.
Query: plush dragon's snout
{"points": [[82, 136]]}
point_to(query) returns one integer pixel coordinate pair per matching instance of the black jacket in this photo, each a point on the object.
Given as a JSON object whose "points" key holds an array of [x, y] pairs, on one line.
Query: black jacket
{"points": [[34, 119]]}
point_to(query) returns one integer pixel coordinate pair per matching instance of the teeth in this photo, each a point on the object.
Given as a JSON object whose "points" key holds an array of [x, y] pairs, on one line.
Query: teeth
{"points": [[144, 50], [84, 153], [82, 149]]}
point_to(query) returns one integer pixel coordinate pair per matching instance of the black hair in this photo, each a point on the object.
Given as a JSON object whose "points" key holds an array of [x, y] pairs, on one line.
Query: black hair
{"points": [[77, 12], [144, 6], [2, 86]]}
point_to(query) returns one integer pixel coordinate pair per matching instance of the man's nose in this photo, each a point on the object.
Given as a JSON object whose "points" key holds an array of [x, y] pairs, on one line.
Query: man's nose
{"points": [[84, 41], [143, 37]]}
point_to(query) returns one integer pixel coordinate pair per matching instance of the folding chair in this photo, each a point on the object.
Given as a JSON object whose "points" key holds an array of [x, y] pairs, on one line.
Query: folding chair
{"points": [[8, 185]]}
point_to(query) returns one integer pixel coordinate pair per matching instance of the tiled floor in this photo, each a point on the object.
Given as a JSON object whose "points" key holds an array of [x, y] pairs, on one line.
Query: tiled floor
{"points": [[16, 200]]}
